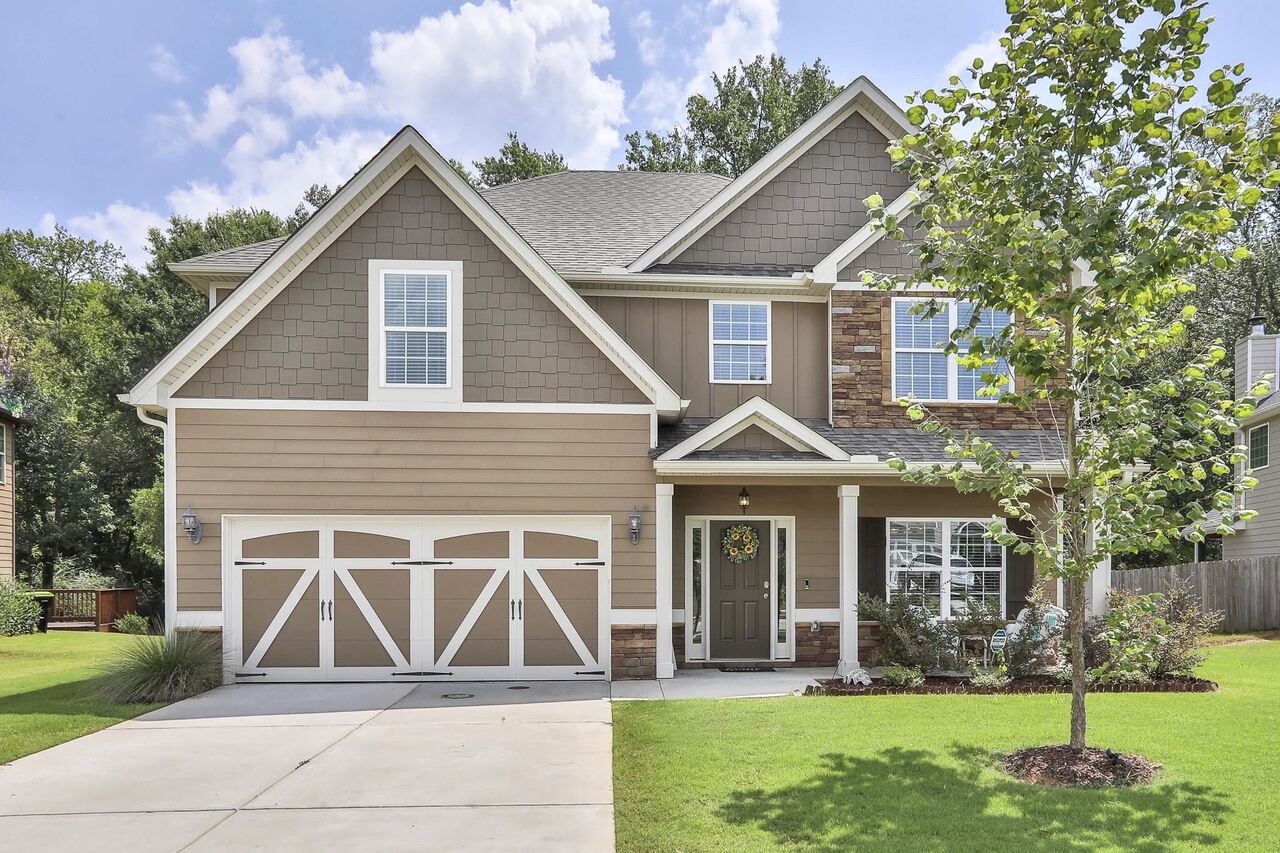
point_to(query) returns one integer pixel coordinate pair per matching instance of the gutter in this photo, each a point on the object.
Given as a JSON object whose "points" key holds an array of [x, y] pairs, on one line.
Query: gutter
{"points": [[170, 517]]}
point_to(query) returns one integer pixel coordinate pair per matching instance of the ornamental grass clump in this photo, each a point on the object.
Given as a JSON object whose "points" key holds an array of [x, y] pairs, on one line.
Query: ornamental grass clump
{"points": [[163, 669]]}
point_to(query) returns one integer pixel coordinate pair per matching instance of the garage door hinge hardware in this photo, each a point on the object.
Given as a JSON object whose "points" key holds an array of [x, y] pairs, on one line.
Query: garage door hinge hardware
{"points": [[422, 562], [589, 563], [422, 673], [251, 675], [250, 563]]}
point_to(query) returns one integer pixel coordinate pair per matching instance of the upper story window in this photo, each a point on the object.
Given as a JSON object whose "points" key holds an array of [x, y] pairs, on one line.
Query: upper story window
{"points": [[415, 330], [1259, 446], [922, 370], [740, 342]]}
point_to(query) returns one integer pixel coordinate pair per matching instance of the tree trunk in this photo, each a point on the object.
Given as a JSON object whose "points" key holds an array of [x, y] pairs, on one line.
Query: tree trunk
{"points": [[1076, 606]]}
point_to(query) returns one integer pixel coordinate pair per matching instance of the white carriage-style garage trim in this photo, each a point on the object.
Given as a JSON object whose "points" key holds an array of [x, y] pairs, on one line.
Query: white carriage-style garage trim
{"points": [[416, 598]]}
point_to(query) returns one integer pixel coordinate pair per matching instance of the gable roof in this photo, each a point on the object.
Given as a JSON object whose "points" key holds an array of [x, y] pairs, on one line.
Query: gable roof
{"points": [[757, 412], [240, 259], [582, 222], [405, 151], [861, 96]]}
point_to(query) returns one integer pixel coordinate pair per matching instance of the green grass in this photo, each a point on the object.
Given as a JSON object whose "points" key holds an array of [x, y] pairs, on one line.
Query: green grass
{"points": [[892, 773], [46, 691]]}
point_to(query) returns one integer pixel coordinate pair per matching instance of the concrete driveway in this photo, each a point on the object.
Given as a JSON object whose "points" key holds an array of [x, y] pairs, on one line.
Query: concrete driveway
{"points": [[328, 767]]}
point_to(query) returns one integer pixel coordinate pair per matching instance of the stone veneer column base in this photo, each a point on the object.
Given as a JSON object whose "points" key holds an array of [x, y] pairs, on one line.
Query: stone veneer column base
{"points": [[822, 647], [634, 652]]}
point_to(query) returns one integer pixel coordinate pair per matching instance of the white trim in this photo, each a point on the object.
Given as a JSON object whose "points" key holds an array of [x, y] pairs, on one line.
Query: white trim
{"points": [[713, 341], [633, 616], [828, 269], [415, 406], [198, 619], [805, 615], [860, 465], [797, 287], [760, 412], [945, 568], [1249, 446], [169, 439], [663, 499], [379, 389], [405, 151], [856, 97], [847, 497]]}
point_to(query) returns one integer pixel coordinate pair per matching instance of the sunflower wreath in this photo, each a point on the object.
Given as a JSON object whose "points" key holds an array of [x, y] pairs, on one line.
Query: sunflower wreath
{"points": [[740, 543]]}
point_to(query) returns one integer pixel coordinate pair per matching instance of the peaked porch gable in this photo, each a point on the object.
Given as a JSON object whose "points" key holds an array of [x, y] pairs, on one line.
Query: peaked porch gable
{"points": [[759, 414]]}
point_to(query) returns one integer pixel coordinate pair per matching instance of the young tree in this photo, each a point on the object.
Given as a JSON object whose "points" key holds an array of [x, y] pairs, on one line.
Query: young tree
{"points": [[754, 107], [1075, 185]]}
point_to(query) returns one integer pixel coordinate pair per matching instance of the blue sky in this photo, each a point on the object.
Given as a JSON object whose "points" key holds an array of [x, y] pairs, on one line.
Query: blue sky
{"points": [[118, 114]]}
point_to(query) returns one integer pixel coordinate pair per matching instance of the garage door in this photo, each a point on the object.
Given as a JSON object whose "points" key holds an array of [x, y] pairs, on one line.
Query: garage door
{"points": [[459, 598]]}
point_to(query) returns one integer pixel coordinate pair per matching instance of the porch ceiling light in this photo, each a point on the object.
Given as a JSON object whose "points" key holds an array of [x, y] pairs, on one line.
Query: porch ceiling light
{"points": [[744, 500], [191, 525]]}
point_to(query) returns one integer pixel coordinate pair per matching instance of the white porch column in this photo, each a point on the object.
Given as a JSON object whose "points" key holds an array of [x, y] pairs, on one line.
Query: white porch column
{"points": [[1095, 591], [848, 580], [662, 541]]}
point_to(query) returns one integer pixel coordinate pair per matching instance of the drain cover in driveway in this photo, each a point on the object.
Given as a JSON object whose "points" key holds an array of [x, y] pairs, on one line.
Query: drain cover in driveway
{"points": [[457, 695]]}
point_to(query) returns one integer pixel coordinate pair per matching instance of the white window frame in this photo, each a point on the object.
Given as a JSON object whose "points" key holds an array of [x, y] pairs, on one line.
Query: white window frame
{"points": [[1249, 445], [713, 341], [944, 608], [379, 388], [953, 359], [4, 453]]}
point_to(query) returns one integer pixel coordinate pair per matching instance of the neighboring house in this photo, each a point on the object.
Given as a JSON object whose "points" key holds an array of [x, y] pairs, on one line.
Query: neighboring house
{"points": [[447, 434], [8, 524]]}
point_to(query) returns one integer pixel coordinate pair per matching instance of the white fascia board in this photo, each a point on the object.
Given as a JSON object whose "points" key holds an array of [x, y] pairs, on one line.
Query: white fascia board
{"points": [[757, 411], [857, 466], [224, 322], [827, 270], [800, 287], [768, 167]]}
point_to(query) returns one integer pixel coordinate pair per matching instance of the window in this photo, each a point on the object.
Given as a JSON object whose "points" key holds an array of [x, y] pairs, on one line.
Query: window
{"points": [[1259, 446], [973, 569], [922, 370], [740, 342], [415, 322], [415, 331], [4, 451]]}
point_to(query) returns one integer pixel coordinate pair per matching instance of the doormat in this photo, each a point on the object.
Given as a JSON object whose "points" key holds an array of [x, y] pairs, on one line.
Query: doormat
{"points": [[759, 668]]}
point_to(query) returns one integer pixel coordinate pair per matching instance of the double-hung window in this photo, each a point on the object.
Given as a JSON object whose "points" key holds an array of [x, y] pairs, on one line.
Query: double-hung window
{"points": [[940, 564], [740, 342], [922, 369], [1259, 446], [415, 328]]}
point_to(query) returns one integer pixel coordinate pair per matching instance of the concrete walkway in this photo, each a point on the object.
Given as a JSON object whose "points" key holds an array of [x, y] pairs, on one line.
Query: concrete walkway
{"points": [[329, 767]]}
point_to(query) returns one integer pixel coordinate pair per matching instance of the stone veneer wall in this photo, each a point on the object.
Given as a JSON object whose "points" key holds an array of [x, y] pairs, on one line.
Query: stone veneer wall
{"points": [[822, 647], [634, 652], [862, 374]]}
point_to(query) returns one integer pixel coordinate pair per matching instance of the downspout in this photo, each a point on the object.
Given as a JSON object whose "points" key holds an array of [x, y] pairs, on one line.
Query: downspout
{"points": [[170, 522]]}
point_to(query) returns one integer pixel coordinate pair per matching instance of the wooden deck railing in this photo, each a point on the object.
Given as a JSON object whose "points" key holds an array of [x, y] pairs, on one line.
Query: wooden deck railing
{"points": [[90, 609]]}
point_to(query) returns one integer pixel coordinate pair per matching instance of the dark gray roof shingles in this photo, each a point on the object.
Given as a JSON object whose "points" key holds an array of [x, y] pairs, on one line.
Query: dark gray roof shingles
{"points": [[247, 257]]}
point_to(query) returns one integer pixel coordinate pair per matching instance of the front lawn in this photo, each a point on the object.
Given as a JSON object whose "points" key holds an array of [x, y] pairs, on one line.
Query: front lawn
{"points": [[45, 692], [920, 772]]}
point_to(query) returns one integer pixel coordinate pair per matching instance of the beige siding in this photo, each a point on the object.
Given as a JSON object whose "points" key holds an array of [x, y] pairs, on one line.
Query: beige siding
{"points": [[1261, 535], [412, 463], [1259, 354], [816, 509], [7, 530], [311, 341], [674, 337], [810, 208]]}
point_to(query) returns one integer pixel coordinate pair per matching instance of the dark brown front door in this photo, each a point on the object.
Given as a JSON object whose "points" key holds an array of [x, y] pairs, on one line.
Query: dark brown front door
{"points": [[741, 597]]}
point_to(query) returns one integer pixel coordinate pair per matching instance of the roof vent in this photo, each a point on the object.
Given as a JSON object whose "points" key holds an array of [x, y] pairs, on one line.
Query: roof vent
{"points": [[1257, 326]]}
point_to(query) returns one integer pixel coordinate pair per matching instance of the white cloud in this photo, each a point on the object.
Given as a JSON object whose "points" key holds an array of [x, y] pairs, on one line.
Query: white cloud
{"points": [[47, 223], [742, 30], [164, 65], [121, 224], [648, 41], [988, 47]]}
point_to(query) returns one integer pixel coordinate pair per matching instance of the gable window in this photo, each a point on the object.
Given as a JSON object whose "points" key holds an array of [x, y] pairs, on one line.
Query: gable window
{"points": [[1259, 446], [415, 330], [740, 342], [922, 370], [941, 564]]}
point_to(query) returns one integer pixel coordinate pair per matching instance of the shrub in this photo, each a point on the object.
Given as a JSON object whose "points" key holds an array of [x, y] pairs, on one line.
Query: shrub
{"points": [[1186, 629], [903, 676], [909, 635], [1133, 631], [76, 572], [977, 618], [993, 679], [1035, 647], [163, 669], [132, 623], [19, 610]]}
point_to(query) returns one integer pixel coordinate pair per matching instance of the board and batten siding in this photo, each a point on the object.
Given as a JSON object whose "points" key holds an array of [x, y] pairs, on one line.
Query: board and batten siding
{"points": [[312, 341], [236, 461], [674, 337]]}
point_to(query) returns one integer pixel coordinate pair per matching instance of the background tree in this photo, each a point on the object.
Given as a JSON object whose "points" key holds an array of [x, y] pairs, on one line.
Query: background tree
{"points": [[515, 161], [1091, 141], [753, 108]]}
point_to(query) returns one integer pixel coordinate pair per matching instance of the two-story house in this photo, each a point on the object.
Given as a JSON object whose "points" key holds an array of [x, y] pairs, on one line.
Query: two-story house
{"points": [[589, 425]]}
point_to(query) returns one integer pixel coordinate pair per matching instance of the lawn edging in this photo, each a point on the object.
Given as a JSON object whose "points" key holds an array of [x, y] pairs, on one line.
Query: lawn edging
{"points": [[944, 685]]}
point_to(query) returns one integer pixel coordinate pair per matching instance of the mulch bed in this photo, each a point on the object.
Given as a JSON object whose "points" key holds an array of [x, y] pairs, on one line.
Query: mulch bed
{"points": [[1032, 684], [1087, 768]]}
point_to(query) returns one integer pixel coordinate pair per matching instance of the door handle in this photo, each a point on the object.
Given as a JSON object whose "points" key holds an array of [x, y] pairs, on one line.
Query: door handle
{"points": [[331, 609], [766, 596], [322, 610], [513, 610], [520, 609]]}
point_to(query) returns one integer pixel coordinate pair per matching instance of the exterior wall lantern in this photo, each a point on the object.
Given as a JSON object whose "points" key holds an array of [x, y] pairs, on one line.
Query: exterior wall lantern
{"points": [[191, 525], [744, 500], [633, 523]]}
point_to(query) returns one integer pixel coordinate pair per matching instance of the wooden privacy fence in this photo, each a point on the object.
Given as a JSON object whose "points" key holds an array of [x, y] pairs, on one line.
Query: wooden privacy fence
{"points": [[1246, 591]]}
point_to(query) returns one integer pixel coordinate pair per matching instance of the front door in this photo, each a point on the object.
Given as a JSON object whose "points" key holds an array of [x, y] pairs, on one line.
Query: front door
{"points": [[741, 599]]}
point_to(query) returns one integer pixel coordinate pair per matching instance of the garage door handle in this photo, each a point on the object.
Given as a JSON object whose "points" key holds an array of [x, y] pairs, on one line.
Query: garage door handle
{"points": [[520, 609], [331, 610], [513, 609], [322, 610], [589, 563], [250, 563], [422, 562]]}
